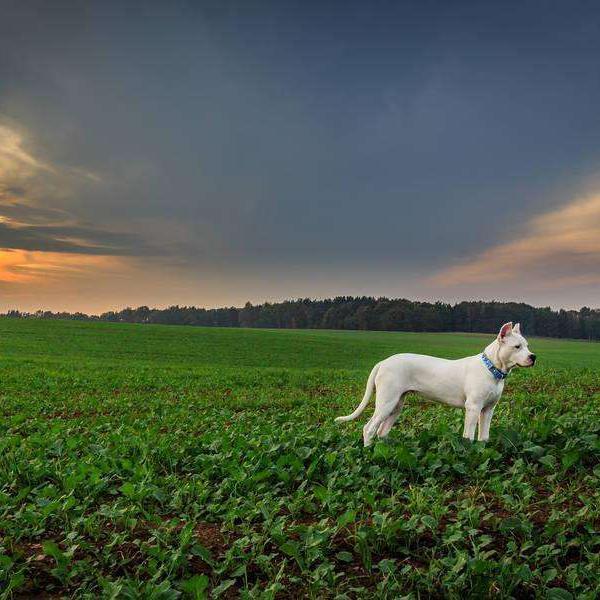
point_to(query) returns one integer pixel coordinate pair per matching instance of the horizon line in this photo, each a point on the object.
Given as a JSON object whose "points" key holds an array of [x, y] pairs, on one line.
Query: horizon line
{"points": [[294, 300]]}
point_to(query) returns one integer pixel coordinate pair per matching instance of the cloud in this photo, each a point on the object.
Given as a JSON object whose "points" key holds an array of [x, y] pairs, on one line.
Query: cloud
{"points": [[38, 204], [45, 246], [31, 189], [554, 250], [67, 239], [46, 268], [15, 160]]}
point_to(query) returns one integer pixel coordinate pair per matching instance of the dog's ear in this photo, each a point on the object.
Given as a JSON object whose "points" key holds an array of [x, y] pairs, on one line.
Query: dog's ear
{"points": [[517, 328], [505, 330]]}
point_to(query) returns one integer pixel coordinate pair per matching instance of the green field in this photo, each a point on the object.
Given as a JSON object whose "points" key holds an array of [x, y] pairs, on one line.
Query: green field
{"points": [[166, 462]]}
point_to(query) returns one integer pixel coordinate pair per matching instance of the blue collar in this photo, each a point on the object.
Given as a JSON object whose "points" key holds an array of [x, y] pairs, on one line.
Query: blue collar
{"points": [[495, 371]]}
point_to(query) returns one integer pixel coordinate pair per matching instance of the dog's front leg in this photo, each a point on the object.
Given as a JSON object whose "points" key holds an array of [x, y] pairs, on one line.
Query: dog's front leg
{"points": [[472, 412], [485, 418]]}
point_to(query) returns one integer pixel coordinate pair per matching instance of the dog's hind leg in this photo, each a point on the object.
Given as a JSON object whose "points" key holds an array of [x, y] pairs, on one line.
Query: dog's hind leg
{"points": [[366, 431], [387, 400], [387, 425]]}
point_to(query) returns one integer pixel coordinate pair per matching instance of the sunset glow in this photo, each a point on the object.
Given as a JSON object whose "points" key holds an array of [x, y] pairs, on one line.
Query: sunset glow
{"points": [[563, 244], [44, 268]]}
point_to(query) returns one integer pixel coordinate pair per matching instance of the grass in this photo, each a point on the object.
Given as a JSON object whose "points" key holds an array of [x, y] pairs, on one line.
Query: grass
{"points": [[166, 462]]}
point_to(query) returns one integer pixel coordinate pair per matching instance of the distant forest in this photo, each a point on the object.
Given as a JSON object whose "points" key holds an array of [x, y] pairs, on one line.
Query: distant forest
{"points": [[364, 313]]}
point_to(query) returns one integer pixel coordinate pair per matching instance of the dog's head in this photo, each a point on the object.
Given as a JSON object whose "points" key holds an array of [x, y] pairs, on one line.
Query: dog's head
{"points": [[513, 349]]}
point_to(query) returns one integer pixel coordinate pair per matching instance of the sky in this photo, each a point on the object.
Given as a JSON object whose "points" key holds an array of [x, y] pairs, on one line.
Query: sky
{"points": [[213, 153]]}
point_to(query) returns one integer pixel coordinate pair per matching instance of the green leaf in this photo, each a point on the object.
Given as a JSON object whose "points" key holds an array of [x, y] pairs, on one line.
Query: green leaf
{"points": [[405, 457], [291, 548], [330, 458], [511, 524], [570, 458], [429, 521], [345, 556], [321, 493], [127, 489], [51, 549], [261, 475], [202, 552], [558, 594], [525, 573], [460, 468], [549, 575], [241, 570], [548, 461], [382, 450], [15, 581], [479, 566], [196, 586], [535, 451], [223, 587], [459, 565], [348, 517], [387, 566]]}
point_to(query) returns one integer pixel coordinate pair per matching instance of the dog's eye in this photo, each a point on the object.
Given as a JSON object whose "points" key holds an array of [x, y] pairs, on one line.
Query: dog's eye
{"points": [[517, 347]]}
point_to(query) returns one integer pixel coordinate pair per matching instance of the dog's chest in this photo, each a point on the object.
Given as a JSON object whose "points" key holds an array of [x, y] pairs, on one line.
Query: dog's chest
{"points": [[492, 393]]}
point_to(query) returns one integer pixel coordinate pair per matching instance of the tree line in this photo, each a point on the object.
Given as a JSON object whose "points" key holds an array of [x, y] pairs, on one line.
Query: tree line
{"points": [[361, 313]]}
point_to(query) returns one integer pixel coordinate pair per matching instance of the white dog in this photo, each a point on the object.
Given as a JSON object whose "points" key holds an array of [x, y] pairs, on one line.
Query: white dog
{"points": [[474, 383]]}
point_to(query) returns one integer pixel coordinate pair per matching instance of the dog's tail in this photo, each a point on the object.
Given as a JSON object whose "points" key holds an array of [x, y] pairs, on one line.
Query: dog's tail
{"points": [[366, 397]]}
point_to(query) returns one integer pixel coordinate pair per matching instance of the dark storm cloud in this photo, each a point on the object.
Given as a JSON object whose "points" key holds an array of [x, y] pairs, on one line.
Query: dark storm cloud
{"points": [[395, 135], [21, 212], [72, 239], [15, 192]]}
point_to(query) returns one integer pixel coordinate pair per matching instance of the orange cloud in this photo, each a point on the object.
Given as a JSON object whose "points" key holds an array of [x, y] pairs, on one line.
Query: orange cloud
{"points": [[556, 249], [21, 266]]}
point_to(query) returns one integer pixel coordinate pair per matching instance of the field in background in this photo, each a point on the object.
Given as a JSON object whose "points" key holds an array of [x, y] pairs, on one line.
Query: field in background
{"points": [[166, 462]]}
